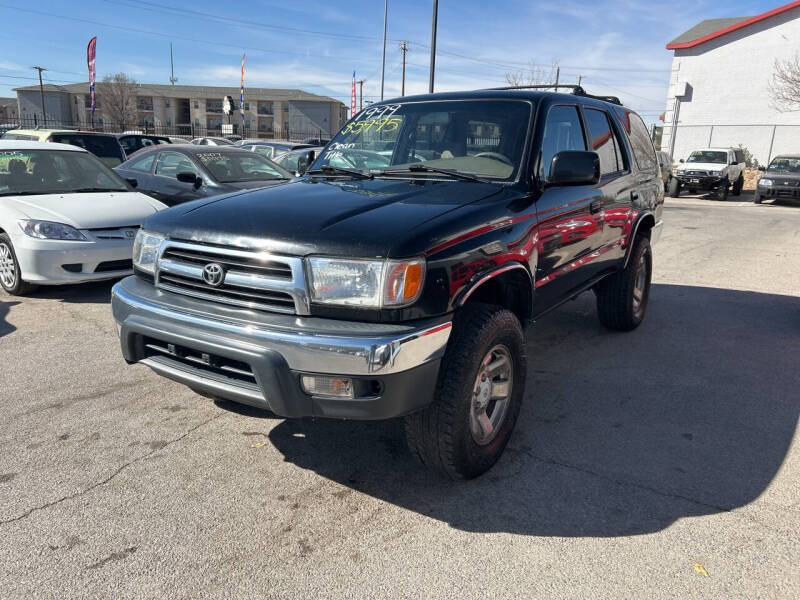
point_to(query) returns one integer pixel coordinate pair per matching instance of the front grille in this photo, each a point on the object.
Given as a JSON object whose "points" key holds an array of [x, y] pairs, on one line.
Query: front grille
{"points": [[117, 233], [697, 173], [209, 365], [114, 265], [250, 279], [786, 183]]}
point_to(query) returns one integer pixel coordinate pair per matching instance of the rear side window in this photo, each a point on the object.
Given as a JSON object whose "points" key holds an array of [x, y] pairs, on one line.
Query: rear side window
{"points": [[604, 141], [106, 148], [144, 164], [562, 131], [739, 156], [641, 144]]}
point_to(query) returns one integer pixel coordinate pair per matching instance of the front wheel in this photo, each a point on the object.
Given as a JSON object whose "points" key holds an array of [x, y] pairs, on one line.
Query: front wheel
{"points": [[674, 187], [622, 297], [722, 190], [10, 273], [478, 395]]}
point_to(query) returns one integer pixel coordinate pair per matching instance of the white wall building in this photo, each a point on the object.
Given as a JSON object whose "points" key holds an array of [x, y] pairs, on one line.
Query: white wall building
{"points": [[720, 85]]}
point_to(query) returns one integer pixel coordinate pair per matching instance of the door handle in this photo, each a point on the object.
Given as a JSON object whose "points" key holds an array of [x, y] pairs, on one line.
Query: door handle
{"points": [[634, 195], [596, 206]]}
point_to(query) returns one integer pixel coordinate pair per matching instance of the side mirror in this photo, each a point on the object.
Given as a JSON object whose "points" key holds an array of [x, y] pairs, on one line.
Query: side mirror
{"points": [[305, 161], [187, 177], [574, 167], [680, 161], [761, 168], [132, 182]]}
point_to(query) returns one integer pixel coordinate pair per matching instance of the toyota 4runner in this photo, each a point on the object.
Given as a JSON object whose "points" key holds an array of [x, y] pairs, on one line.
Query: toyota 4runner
{"points": [[400, 290]]}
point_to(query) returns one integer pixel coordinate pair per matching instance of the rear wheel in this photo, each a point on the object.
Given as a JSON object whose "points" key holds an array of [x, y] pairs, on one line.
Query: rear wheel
{"points": [[674, 188], [738, 185], [10, 273], [622, 297], [478, 395]]}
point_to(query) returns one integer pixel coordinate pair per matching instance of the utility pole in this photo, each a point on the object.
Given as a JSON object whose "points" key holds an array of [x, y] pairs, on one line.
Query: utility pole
{"points": [[383, 61], [172, 79], [433, 44], [360, 83], [403, 49], [41, 93]]}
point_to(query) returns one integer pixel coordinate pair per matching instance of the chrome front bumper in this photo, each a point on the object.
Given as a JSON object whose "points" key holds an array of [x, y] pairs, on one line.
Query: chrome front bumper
{"points": [[402, 358]]}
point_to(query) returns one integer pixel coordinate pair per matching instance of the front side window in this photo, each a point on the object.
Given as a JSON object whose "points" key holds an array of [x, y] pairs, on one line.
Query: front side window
{"points": [[229, 167], [55, 171], [172, 163], [603, 141], [484, 138], [562, 131]]}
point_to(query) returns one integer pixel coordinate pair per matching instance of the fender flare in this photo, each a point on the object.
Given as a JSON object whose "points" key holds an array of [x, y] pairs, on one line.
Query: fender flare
{"points": [[644, 216], [482, 278]]}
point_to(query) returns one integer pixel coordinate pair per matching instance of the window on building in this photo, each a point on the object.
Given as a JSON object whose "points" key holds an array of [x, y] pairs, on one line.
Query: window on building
{"points": [[166, 102], [247, 124], [604, 141], [196, 104], [562, 131], [169, 121], [247, 106], [197, 122]]}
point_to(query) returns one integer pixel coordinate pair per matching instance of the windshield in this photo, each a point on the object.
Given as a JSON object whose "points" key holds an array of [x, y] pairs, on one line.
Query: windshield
{"points": [[106, 148], [231, 167], [55, 171], [708, 156], [477, 137], [785, 164]]}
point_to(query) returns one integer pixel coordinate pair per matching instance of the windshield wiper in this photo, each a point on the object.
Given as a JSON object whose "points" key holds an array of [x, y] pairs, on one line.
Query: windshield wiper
{"points": [[418, 168], [329, 170]]}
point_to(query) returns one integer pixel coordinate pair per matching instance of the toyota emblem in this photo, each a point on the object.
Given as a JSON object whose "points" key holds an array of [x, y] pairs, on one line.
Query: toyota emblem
{"points": [[213, 274]]}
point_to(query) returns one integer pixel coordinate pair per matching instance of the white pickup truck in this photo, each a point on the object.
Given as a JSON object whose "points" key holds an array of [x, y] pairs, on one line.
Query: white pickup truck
{"points": [[710, 169]]}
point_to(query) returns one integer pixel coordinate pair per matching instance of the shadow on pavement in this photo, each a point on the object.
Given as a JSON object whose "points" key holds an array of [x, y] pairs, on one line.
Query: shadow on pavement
{"points": [[96, 292], [620, 434], [5, 326]]}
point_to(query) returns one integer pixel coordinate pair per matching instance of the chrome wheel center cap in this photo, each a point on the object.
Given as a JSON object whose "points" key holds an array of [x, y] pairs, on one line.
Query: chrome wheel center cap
{"points": [[483, 394]]}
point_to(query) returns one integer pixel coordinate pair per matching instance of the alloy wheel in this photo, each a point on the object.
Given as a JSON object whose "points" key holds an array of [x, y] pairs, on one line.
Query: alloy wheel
{"points": [[8, 270], [491, 395]]}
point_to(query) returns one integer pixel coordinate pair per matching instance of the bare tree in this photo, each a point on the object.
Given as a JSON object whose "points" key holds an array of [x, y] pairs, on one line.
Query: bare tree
{"points": [[534, 75], [118, 93], [785, 84]]}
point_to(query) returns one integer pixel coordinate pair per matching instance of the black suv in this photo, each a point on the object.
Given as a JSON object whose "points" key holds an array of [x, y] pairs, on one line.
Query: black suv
{"points": [[402, 290]]}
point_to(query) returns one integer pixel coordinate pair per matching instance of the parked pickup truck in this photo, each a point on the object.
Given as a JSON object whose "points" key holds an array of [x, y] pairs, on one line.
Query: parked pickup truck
{"points": [[711, 169], [400, 291]]}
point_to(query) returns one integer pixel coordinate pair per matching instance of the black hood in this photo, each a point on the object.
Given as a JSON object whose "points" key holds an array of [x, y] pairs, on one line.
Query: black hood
{"points": [[349, 218]]}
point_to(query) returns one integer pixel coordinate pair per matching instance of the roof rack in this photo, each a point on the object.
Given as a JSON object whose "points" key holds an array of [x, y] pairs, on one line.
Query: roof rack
{"points": [[576, 89]]}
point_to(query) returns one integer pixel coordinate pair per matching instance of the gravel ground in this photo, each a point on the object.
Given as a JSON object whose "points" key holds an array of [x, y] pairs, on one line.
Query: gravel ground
{"points": [[661, 463]]}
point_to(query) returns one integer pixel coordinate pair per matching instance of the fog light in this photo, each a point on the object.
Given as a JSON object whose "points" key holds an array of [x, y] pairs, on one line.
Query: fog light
{"points": [[320, 385]]}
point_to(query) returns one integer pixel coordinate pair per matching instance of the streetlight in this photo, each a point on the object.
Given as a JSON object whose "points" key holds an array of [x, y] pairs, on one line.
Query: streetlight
{"points": [[383, 62]]}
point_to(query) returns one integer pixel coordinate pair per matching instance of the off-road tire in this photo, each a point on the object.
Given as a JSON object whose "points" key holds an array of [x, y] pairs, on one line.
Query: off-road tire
{"points": [[674, 187], [439, 436], [736, 190], [616, 306], [17, 287], [722, 190]]}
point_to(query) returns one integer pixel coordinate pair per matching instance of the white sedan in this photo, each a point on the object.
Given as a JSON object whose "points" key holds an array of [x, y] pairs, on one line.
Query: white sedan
{"points": [[64, 217]]}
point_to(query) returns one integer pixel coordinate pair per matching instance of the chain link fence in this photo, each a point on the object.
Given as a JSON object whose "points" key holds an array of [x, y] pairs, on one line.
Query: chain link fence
{"points": [[763, 141]]}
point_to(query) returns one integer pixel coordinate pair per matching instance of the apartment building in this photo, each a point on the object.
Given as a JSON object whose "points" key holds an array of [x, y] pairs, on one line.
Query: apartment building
{"points": [[189, 110]]}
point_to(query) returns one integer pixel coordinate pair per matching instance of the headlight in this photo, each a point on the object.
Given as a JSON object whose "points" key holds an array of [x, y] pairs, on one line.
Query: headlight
{"points": [[366, 283], [764, 181], [145, 251], [47, 230]]}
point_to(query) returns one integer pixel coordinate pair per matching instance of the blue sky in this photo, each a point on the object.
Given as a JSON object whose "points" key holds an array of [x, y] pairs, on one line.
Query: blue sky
{"points": [[617, 45]]}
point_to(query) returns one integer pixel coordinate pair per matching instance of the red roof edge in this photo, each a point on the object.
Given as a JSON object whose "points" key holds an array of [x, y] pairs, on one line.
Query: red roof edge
{"points": [[739, 25]]}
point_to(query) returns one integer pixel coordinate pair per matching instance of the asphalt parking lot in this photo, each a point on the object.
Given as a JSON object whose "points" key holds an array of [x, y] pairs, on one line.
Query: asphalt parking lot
{"points": [[657, 464]]}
